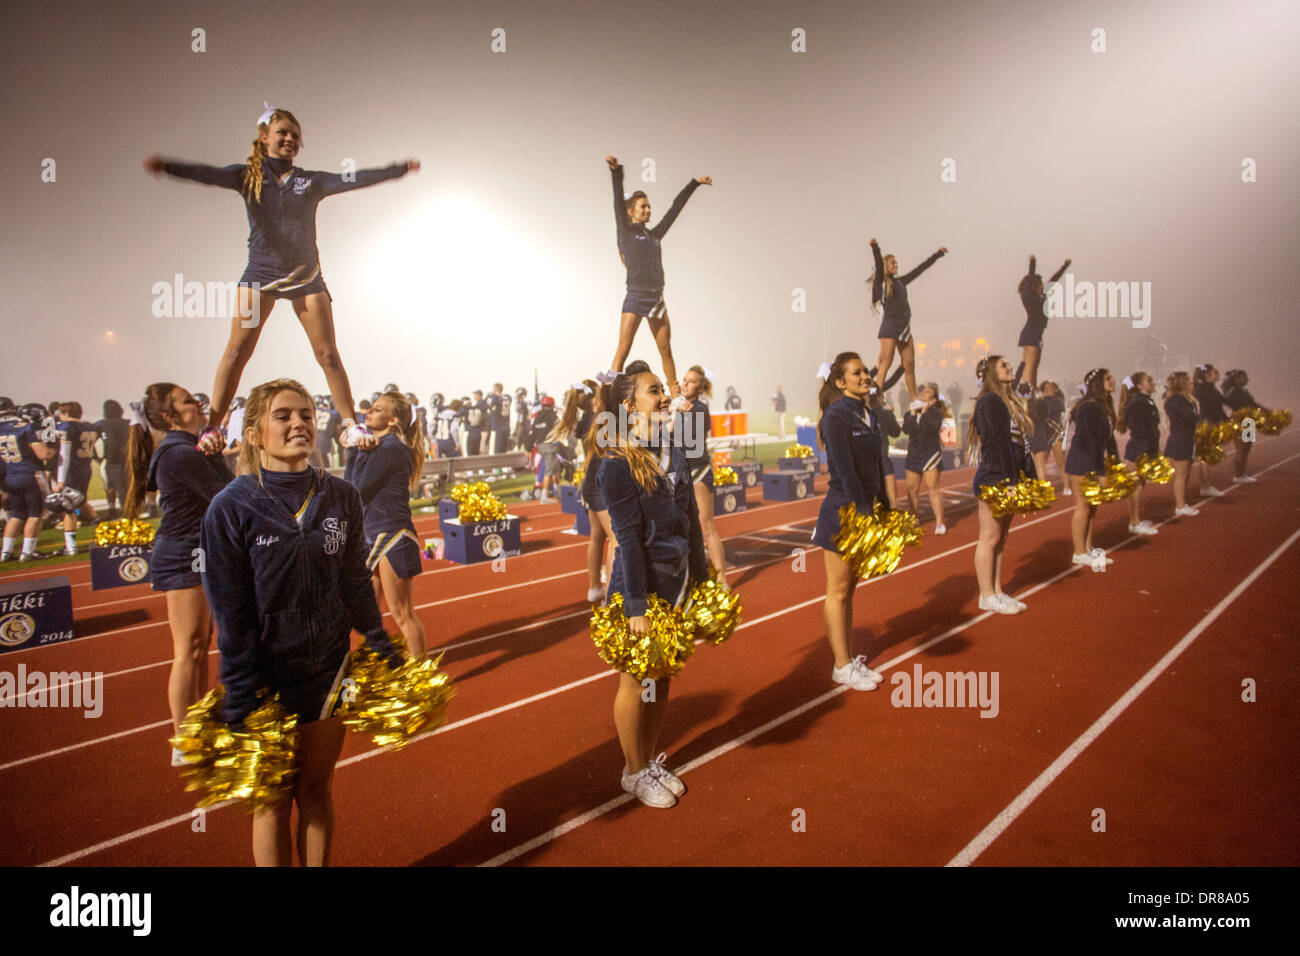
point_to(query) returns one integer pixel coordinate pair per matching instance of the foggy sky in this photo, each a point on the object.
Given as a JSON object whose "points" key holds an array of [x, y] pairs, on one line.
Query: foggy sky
{"points": [[499, 256]]}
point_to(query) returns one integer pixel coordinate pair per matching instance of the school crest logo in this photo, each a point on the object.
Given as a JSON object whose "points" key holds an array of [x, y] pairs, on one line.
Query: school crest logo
{"points": [[300, 185], [493, 545], [133, 569], [16, 628], [729, 502], [336, 534]]}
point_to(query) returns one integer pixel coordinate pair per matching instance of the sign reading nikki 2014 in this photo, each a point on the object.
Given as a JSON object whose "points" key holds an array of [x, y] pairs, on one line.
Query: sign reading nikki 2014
{"points": [[35, 612]]}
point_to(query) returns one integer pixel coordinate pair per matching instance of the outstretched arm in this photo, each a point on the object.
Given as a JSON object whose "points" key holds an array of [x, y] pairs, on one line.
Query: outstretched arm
{"points": [[676, 208], [331, 184], [1033, 266], [620, 204], [227, 177], [1056, 276], [924, 265], [878, 277]]}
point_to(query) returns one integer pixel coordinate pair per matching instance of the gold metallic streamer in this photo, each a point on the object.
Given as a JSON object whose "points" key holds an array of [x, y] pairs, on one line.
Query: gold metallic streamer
{"points": [[712, 612], [724, 476], [798, 451], [1266, 422], [1156, 469], [123, 531], [1020, 498], [661, 652], [393, 705], [254, 765], [1120, 484], [477, 502], [872, 544]]}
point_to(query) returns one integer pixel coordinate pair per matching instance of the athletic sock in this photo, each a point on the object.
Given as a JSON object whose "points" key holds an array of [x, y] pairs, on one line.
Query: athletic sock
{"points": [[9, 545], [29, 545], [70, 540]]}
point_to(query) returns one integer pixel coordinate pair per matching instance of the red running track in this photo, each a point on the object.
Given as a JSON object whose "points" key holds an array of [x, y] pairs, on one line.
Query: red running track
{"points": [[783, 766]]}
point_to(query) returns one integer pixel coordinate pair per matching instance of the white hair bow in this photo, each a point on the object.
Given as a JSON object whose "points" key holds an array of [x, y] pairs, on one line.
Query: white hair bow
{"points": [[136, 415], [580, 387], [824, 371], [266, 117], [708, 372], [1128, 381]]}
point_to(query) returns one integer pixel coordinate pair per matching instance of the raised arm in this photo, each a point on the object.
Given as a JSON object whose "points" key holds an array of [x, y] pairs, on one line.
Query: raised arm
{"points": [[227, 177], [1033, 266], [1056, 276], [923, 266], [878, 277], [674, 210], [331, 184], [620, 204]]}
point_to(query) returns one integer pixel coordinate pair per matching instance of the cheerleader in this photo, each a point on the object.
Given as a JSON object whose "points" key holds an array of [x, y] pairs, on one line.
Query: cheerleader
{"points": [[853, 443], [283, 261], [652, 512], [889, 290], [287, 581], [1210, 408], [1046, 412], [639, 248], [1238, 397], [186, 480], [385, 476], [558, 444], [1181, 410], [1093, 438], [999, 429], [925, 452], [1140, 420], [600, 545], [695, 434], [1033, 298], [26, 443]]}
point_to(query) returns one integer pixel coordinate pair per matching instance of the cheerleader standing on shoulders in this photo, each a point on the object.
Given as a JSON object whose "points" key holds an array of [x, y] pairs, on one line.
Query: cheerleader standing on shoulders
{"points": [[692, 431], [288, 583], [600, 546], [639, 248], [385, 476], [1093, 418], [283, 261], [186, 481], [925, 452], [852, 439], [1210, 408], [1238, 396], [1140, 419], [1000, 428], [889, 290], [652, 511], [1034, 299], [1047, 411], [1180, 446]]}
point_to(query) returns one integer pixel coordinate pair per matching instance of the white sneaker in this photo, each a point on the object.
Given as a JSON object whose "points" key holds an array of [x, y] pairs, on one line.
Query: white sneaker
{"points": [[940, 529], [1097, 554], [648, 789], [352, 434], [997, 605], [1084, 558], [1188, 511], [1243, 480], [178, 757], [1066, 492], [6, 556], [1143, 527], [1209, 491], [595, 595], [1011, 602], [853, 675], [666, 776]]}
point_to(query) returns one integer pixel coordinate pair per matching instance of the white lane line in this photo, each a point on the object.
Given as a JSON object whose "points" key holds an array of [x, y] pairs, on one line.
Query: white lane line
{"points": [[85, 743], [1016, 807]]}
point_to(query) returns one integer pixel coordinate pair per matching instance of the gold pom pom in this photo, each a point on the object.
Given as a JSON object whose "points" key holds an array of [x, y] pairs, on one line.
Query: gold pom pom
{"points": [[255, 765], [798, 451], [1021, 498], [725, 476], [872, 544], [477, 502], [1156, 469], [1120, 483], [394, 704], [578, 475], [1210, 437], [123, 531], [712, 612], [1273, 422], [661, 652]]}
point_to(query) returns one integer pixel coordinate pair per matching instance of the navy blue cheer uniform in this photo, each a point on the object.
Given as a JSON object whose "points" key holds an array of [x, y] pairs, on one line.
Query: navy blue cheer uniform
{"points": [[1002, 443], [186, 481], [897, 320], [660, 546], [1239, 397], [282, 254], [641, 252], [382, 476], [691, 431], [1182, 414], [77, 447], [1211, 402], [287, 581], [1143, 420], [590, 490], [1045, 412], [1093, 440], [857, 470], [21, 466], [889, 428], [1034, 303], [924, 448]]}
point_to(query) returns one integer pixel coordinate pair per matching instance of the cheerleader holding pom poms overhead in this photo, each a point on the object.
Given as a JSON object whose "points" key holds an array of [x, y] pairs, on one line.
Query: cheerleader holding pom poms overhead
{"points": [[1093, 438], [652, 511], [283, 261], [385, 476], [889, 290], [852, 439], [925, 452], [1034, 299], [287, 581], [1000, 431], [186, 481], [1139, 418], [639, 248], [1180, 446], [1210, 405]]}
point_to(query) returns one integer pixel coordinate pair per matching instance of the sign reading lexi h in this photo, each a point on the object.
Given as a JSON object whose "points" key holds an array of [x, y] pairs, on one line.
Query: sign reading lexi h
{"points": [[118, 565], [481, 540], [35, 612]]}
